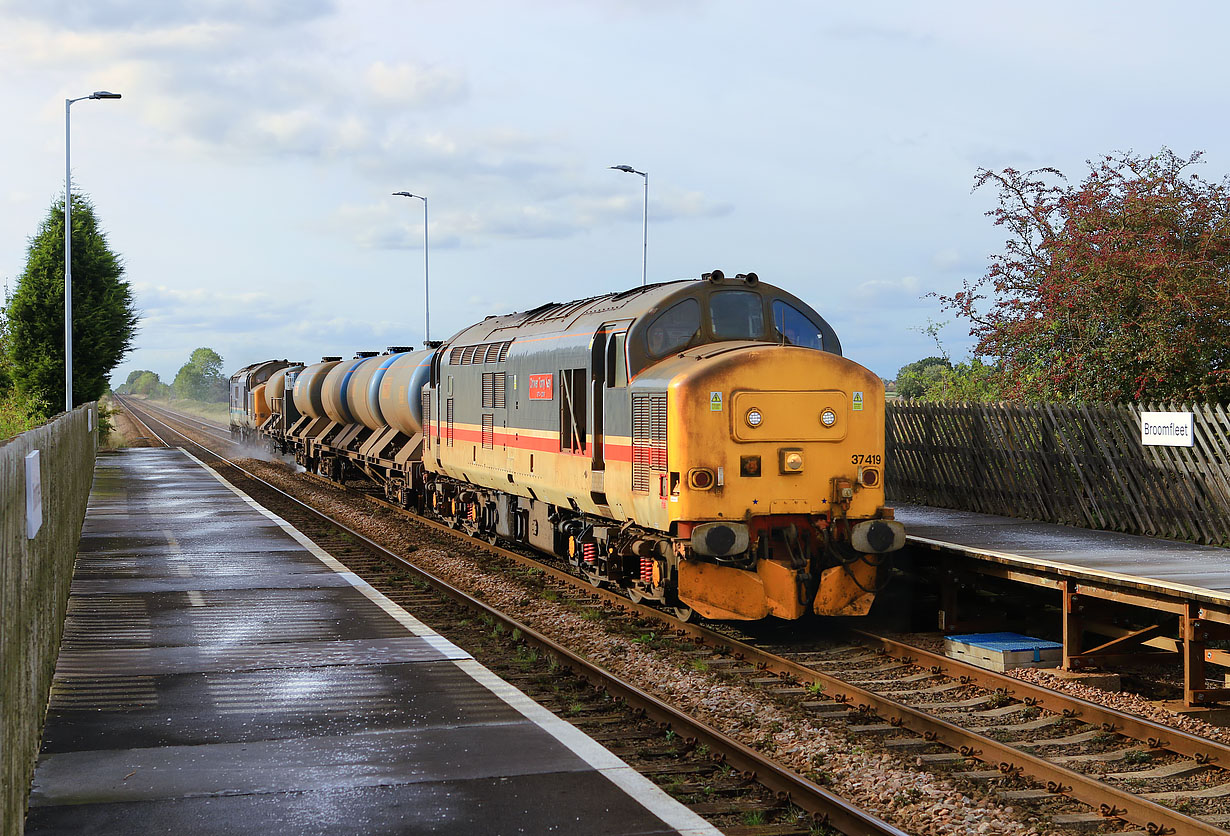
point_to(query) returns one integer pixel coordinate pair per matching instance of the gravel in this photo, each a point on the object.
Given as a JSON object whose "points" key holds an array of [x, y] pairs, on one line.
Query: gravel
{"points": [[1130, 703]]}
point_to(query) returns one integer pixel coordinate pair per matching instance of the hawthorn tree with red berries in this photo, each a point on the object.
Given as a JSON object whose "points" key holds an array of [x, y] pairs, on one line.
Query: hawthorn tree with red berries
{"points": [[1115, 289]]}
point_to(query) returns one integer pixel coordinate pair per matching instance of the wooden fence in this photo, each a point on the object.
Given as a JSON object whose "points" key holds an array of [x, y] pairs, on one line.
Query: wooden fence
{"points": [[1080, 465], [35, 573]]}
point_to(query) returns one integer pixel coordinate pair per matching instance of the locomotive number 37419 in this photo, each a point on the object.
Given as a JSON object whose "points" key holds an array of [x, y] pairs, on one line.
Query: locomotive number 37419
{"points": [[865, 458]]}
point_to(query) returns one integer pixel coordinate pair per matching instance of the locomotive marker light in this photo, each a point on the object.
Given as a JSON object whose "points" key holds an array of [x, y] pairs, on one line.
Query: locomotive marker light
{"points": [[828, 417], [644, 215], [68, 247], [754, 418], [426, 282]]}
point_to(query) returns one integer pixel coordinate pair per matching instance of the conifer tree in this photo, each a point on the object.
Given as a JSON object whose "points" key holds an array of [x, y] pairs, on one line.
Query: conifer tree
{"points": [[104, 318]]}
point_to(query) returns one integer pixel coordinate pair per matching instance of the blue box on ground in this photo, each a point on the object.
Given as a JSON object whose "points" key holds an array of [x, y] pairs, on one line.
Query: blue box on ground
{"points": [[1003, 651]]}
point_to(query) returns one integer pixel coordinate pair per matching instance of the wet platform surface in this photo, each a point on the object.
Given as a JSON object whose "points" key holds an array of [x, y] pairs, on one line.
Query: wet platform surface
{"points": [[1201, 573], [219, 675]]}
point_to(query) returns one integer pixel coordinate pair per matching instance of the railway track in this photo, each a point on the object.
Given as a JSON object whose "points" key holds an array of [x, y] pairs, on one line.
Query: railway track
{"points": [[741, 788], [1101, 767]]}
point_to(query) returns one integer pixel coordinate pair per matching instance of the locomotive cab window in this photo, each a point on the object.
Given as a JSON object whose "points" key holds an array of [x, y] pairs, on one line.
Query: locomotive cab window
{"points": [[796, 328], [616, 363], [674, 328], [737, 315]]}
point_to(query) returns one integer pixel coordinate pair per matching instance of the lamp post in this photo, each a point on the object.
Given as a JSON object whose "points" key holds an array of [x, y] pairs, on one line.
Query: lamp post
{"points": [[68, 247], [644, 216], [426, 282]]}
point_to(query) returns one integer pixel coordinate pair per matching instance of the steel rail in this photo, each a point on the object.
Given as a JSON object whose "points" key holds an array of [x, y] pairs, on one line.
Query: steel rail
{"points": [[1157, 736], [139, 421], [805, 794], [184, 417], [1156, 818], [1200, 749], [1110, 801]]}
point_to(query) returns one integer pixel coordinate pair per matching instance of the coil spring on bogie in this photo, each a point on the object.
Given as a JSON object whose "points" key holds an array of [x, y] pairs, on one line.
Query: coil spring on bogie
{"points": [[647, 570], [589, 553]]}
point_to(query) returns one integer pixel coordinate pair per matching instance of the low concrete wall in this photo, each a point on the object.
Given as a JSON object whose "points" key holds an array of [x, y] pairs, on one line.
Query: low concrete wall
{"points": [[35, 573]]}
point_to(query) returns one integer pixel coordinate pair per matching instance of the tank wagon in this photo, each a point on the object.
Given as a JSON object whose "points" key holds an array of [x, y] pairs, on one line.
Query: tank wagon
{"points": [[280, 402], [702, 444]]}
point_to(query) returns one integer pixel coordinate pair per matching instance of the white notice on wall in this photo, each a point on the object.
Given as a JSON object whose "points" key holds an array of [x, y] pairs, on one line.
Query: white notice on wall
{"points": [[1166, 429], [34, 495]]}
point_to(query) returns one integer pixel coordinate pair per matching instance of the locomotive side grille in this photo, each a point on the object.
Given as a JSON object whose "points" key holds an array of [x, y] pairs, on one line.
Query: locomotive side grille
{"points": [[464, 355], [648, 439], [448, 423], [425, 399], [488, 390], [499, 384], [488, 432]]}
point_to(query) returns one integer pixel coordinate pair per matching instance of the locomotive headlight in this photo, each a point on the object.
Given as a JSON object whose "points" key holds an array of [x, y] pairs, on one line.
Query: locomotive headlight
{"points": [[828, 417], [754, 418]]}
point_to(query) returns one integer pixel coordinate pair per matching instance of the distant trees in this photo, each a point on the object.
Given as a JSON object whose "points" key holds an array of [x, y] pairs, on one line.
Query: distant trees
{"points": [[201, 378], [150, 386], [914, 378], [104, 317], [146, 383], [937, 379], [1118, 288]]}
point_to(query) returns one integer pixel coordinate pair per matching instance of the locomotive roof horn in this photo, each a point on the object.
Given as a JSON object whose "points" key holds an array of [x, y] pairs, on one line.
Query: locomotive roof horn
{"points": [[751, 278], [715, 277]]}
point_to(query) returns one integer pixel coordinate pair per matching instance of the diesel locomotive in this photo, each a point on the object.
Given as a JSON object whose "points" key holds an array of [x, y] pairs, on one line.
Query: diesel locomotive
{"points": [[701, 444]]}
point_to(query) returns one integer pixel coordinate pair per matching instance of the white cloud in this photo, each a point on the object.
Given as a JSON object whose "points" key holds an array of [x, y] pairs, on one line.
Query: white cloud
{"points": [[414, 85], [130, 14]]}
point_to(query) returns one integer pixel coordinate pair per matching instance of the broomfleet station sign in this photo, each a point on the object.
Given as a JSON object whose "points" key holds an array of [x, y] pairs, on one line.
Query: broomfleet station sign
{"points": [[1166, 429]]}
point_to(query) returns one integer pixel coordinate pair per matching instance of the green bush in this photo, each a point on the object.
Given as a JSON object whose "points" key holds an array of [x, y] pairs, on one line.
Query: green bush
{"points": [[19, 413]]}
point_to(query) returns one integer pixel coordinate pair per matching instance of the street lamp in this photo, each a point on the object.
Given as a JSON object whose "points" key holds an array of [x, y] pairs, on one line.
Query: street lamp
{"points": [[426, 283], [68, 248], [644, 217]]}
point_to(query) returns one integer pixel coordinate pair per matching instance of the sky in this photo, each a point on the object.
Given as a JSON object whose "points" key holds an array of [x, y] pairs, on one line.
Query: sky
{"points": [[245, 177]]}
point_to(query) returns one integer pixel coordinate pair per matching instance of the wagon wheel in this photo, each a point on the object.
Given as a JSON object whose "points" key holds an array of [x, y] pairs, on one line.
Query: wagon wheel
{"points": [[684, 614]]}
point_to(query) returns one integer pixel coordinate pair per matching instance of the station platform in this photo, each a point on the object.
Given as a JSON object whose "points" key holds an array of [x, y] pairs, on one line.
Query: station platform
{"points": [[1184, 587], [1145, 564], [220, 674]]}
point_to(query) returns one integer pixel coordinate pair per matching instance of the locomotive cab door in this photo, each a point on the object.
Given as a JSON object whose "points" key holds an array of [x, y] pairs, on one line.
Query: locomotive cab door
{"points": [[597, 385]]}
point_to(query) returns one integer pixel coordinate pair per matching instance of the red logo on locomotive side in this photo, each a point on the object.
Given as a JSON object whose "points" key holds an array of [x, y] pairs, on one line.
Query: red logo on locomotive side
{"points": [[542, 387]]}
